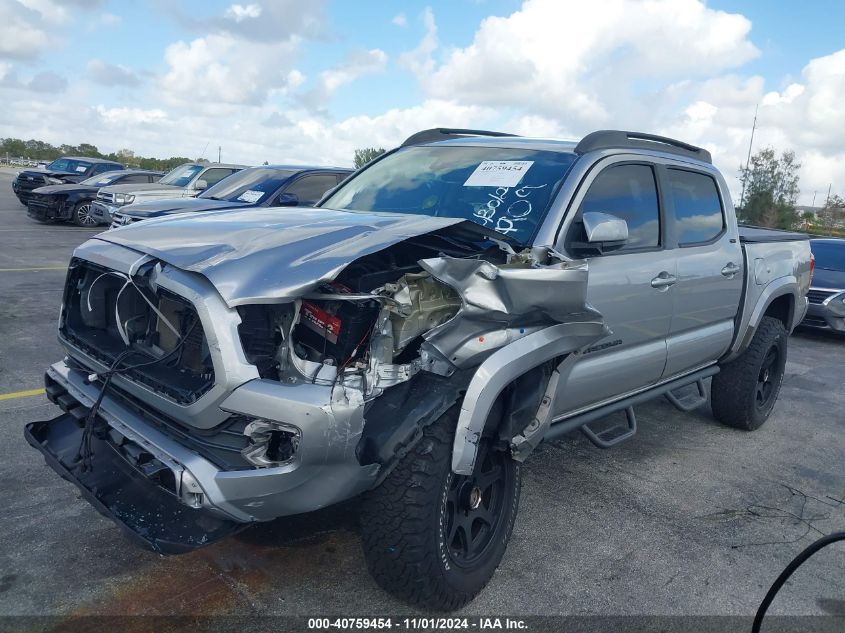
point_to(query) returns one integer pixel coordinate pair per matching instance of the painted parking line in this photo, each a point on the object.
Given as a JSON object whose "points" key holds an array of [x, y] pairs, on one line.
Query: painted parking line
{"points": [[21, 394], [29, 270], [47, 228]]}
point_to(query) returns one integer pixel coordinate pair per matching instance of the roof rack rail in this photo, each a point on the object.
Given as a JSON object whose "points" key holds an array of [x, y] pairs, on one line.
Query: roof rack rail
{"points": [[619, 139], [445, 133]]}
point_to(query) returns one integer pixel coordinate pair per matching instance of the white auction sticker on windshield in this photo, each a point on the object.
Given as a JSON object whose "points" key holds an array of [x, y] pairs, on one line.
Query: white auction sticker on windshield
{"points": [[498, 173], [250, 195], [81, 168]]}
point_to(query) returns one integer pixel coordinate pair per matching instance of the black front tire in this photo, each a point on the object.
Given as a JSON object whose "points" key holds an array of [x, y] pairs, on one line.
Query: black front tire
{"points": [[744, 392], [416, 524]]}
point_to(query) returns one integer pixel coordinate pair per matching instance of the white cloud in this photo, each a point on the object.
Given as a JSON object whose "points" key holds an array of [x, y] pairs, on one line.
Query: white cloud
{"points": [[420, 60], [22, 35], [131, 116], [610, 53], [223, 69], [400, 20], [673, 67], [239, 12], [356, 64], [269, 22], [27, 27]]}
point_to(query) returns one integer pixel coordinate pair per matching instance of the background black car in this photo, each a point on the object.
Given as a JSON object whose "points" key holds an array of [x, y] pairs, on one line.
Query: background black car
{"points": [[60, 171], [73, 201], [826, 297], [266, 186]]}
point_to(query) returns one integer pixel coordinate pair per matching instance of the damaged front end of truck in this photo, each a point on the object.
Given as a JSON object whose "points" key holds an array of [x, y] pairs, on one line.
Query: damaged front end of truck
{"points": [[258, 367]]}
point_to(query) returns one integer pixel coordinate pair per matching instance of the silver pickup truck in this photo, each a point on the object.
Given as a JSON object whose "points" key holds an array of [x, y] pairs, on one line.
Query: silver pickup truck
{"points": [[412, 340], [184, 181]]}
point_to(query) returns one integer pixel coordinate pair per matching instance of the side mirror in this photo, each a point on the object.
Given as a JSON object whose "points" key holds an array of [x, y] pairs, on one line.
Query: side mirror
{"points": [[603, 227], [287, 200], [201, 185]]}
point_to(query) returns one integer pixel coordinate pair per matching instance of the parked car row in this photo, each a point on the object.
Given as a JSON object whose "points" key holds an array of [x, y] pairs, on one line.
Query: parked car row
{"points": [[185, 181], [61, 171], [73, 202], [89, 191], [267, 186]]}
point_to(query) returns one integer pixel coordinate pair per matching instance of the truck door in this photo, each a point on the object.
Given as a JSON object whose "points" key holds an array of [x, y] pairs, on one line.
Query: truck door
{"points": [[632, 287], [710, 269]]}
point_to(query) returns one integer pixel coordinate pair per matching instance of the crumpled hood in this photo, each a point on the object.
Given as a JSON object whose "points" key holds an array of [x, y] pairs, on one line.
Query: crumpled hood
{"points": [[169, 206], [265, 255], [50, 190], [48, 172]]}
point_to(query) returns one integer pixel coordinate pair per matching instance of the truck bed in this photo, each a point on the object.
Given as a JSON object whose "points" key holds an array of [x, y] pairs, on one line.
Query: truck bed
{"points": [[757, 235]]}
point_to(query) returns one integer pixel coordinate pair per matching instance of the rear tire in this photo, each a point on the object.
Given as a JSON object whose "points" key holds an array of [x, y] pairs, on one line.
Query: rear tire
{"points": [[81, 215], [433, 538], [744, 392]]}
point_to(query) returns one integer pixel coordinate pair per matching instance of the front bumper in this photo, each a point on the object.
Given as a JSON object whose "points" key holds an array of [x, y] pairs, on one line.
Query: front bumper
{"points": [[324, 471], [829, 315], [45, 211], [146, 512], [103, 212]]}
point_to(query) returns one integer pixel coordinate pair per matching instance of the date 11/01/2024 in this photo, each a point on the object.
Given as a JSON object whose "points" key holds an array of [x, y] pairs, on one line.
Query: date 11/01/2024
{"points": [[482, 623]]}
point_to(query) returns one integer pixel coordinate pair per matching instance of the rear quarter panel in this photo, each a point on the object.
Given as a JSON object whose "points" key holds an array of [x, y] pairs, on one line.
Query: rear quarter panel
{"points": [[774, 269]]}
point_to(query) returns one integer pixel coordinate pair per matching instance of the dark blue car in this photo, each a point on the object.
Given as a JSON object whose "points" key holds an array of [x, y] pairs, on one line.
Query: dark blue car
{"points": [[266, 186], [827, 292]]}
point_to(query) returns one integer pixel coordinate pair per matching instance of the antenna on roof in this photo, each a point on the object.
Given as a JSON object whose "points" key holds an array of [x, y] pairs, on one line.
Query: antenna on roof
{"points": [[748, 158]]}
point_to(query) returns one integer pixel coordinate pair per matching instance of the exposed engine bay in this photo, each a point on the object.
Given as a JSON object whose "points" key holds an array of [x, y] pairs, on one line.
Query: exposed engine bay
{"points": [[394, 313], [439, 304]]}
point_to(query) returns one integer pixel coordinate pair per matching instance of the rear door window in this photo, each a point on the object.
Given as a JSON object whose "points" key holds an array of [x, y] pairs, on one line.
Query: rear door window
{"points": [[309, 189], [142, 178], [698, 208], [213, 176]]}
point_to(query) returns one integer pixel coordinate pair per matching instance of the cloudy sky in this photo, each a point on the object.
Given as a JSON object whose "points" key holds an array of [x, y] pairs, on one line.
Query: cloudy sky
{"points": [[309, 81]]}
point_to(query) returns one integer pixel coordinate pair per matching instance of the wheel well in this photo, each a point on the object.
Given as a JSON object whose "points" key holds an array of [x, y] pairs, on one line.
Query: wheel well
{"points": [[782, 309]]}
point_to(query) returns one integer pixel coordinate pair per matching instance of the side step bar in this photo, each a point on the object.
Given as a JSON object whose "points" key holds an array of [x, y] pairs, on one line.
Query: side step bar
{"points": [[688, 403], [611, 437]]}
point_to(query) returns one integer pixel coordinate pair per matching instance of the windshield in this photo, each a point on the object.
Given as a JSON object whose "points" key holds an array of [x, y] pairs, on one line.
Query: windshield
{"points": [[252, 186], [504, 189], [69, 165], [181, 175], [829, 255], [103, 179]]}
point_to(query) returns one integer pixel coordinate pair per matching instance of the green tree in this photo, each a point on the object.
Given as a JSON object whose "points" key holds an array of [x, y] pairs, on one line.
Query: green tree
{"points": [[832, 213], [365, 155], [771, 190]]}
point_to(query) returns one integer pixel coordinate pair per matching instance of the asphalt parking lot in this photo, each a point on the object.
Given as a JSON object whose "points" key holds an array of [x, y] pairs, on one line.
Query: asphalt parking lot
{"points": [[687, 518]]}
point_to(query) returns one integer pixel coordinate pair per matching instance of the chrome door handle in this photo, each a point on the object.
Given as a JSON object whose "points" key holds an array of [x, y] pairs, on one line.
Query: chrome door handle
{"points": [[730, 270], [664, 280]]}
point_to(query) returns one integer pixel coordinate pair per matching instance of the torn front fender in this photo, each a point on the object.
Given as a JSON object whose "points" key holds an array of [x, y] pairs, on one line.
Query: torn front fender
{"points": [[502, 368], [501, 304]]}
